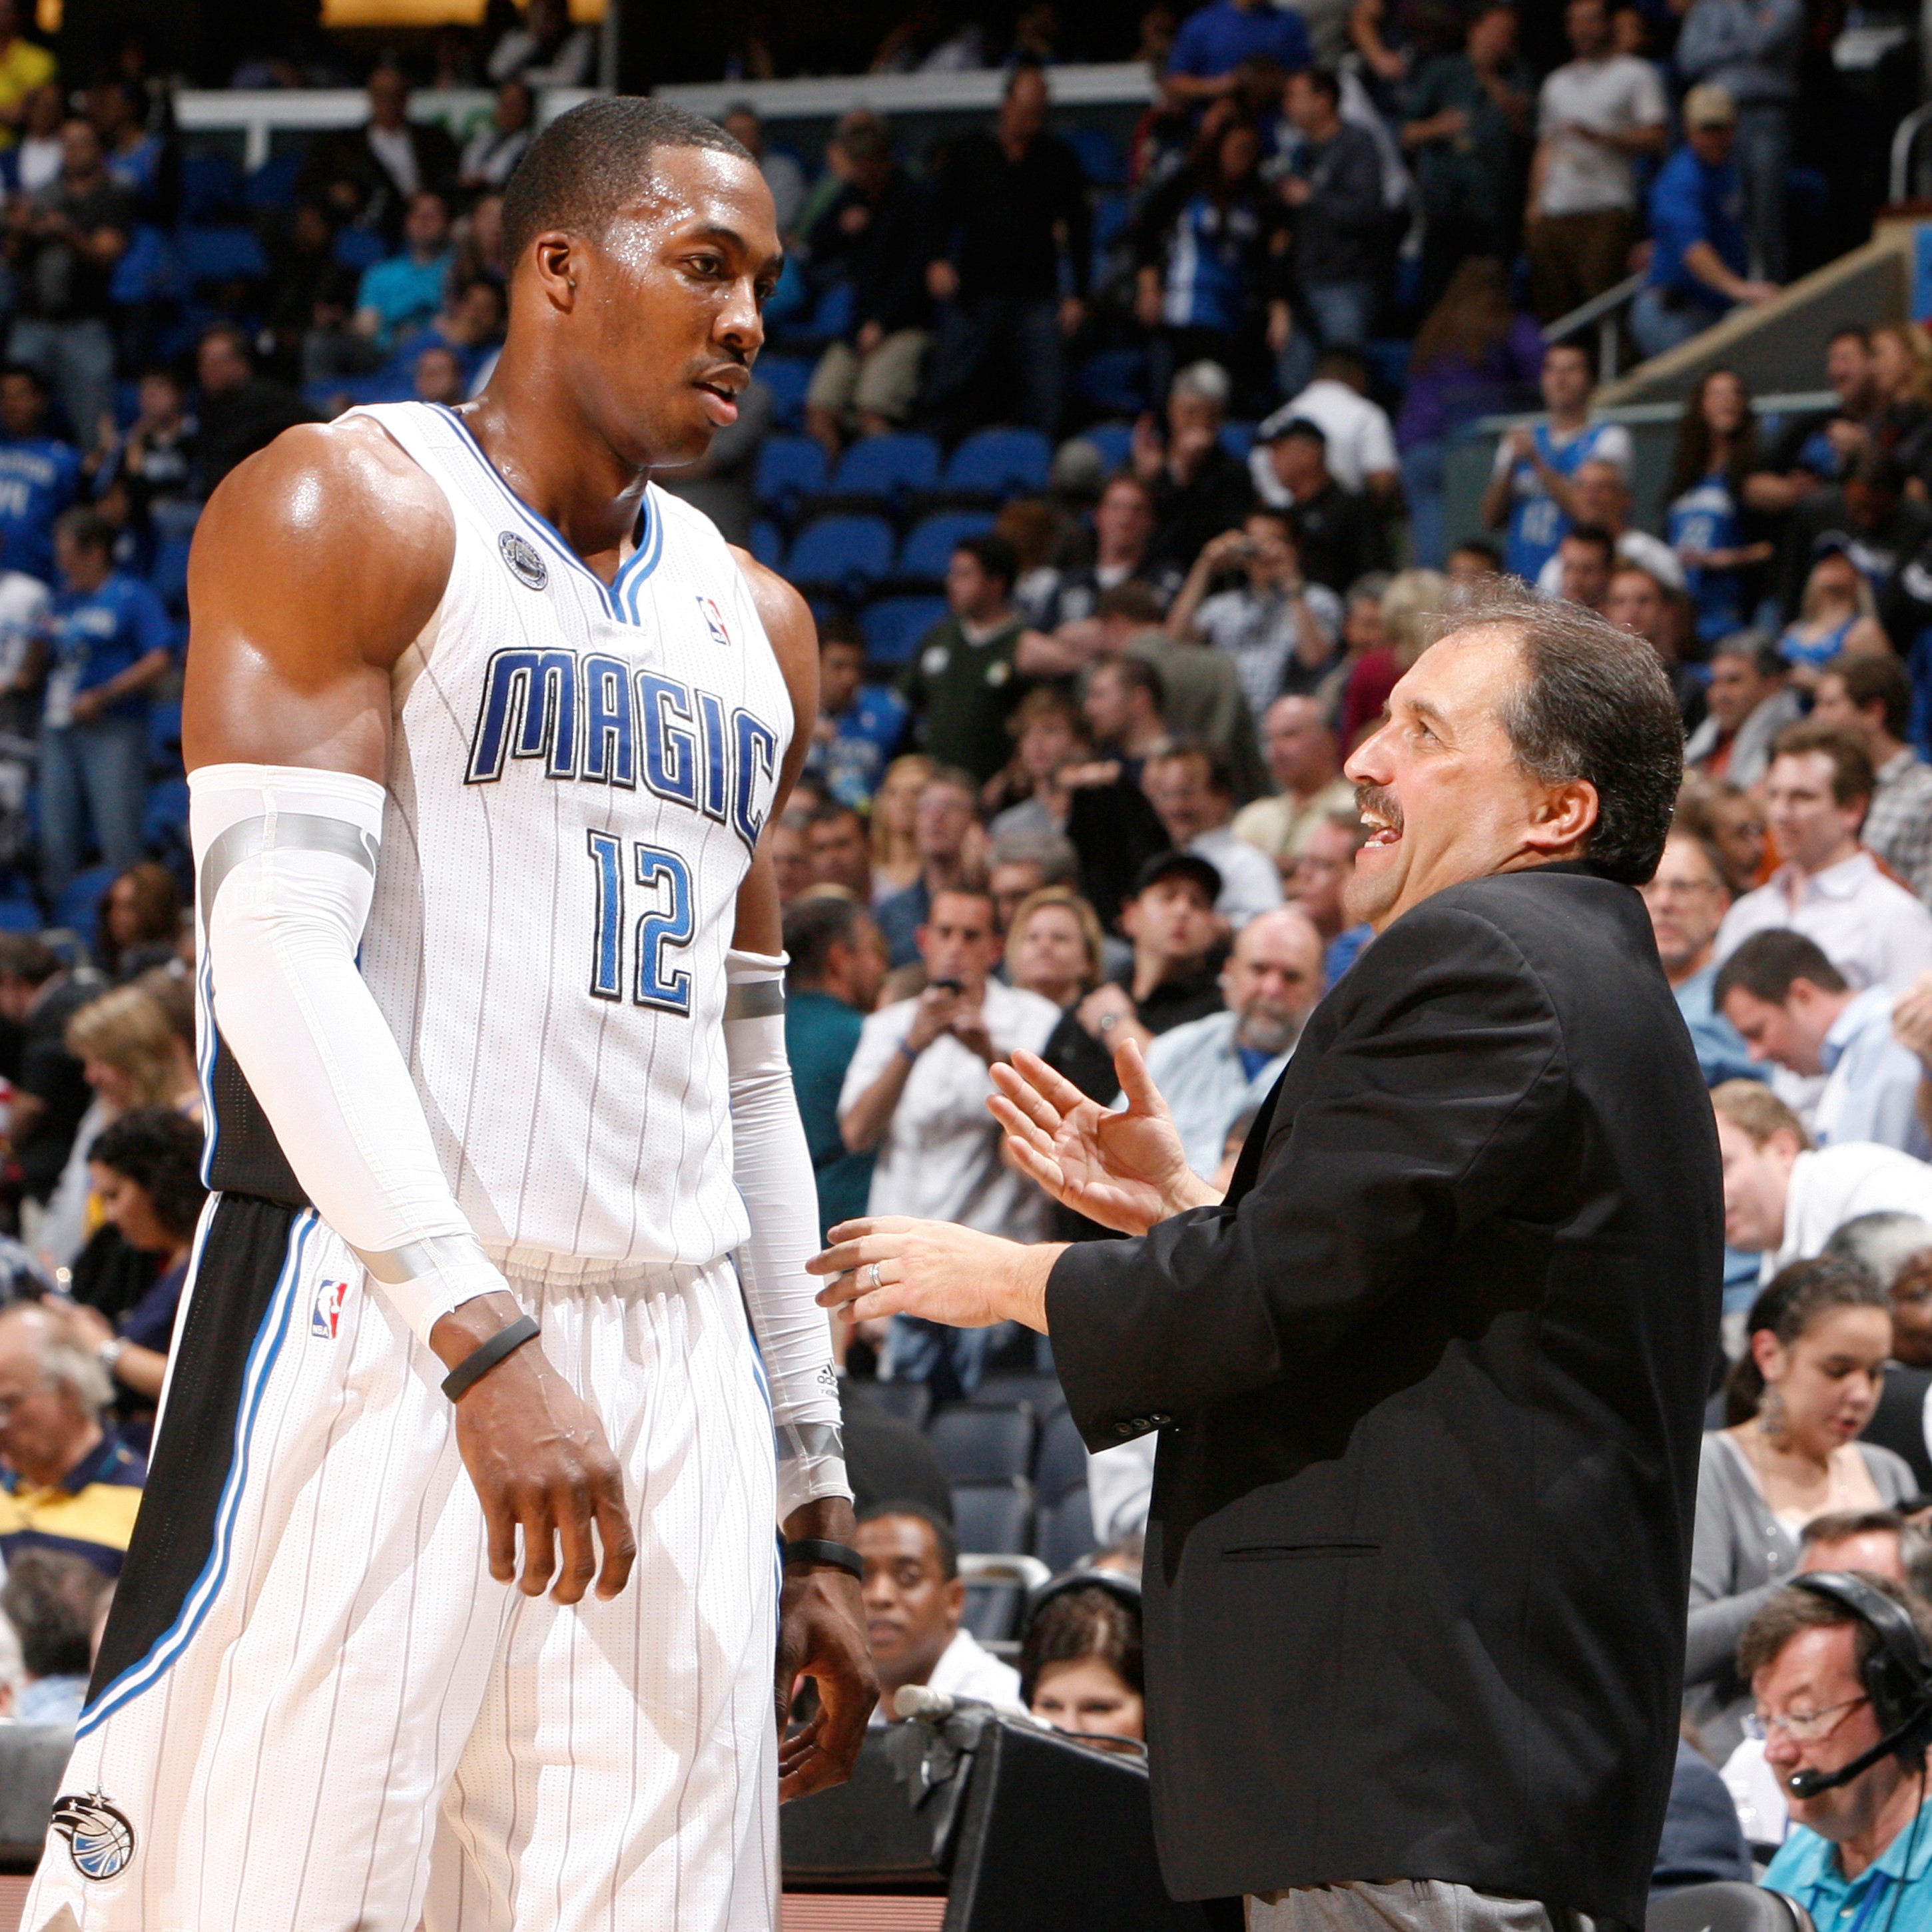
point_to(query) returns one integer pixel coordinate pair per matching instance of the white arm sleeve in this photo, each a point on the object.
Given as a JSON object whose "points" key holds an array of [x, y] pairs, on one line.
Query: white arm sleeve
{"points": [[285, 870], [772, 1167]]}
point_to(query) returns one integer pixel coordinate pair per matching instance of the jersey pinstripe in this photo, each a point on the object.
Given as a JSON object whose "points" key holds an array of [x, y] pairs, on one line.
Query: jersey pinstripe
{"points": [[578, 776]]}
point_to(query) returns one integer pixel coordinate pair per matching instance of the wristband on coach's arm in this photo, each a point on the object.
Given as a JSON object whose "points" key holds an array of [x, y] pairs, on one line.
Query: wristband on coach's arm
{"points": [[484, 1356], [817, 1549]]}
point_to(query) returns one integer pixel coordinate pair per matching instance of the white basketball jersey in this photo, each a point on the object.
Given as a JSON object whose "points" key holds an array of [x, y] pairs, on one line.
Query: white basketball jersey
{"points": [[577, 777]]}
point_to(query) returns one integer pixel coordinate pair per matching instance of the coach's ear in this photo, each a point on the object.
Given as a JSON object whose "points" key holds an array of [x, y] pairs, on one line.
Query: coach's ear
{"points": [[554, 258]]}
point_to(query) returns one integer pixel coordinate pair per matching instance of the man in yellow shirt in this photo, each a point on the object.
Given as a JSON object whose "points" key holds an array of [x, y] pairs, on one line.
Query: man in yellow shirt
{"points": [[65, 1483], [23, 67]]}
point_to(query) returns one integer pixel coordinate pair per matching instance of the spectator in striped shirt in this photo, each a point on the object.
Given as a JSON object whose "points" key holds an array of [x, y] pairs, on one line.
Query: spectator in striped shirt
{"points": [[1871, 696]]}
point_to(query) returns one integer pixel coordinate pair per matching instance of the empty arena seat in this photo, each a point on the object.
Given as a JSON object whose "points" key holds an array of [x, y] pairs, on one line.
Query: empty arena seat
{"points": [[79, 905], [358, 247], [164, 825], [788, 377], [1002, 462], [19, 916], [892, 626], [851, 553], [767, 545], [210, 185], [1726, 1906], [978, 1441], [1114, 380], [1062, 1465], [930, 543], [1238, 438], [910, 1402], [890, 466], [212, 254], [1113, 440], [790, 467], [1066, 1534], [994, 1519]]}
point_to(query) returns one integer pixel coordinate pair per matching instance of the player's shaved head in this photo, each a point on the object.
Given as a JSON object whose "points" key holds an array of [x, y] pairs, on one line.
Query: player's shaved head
{"points": [[589, 164]]}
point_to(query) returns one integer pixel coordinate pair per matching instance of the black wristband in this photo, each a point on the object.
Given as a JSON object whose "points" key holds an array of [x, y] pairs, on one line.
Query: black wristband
{"points": [[484, 1356], [817, 1549]]}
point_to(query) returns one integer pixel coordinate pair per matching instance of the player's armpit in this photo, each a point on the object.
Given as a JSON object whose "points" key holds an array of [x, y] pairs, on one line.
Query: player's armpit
{"points": [[316, 565]]}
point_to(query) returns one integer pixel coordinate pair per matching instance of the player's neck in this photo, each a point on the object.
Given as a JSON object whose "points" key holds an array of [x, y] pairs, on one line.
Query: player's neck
{"points": [[551, 456]]}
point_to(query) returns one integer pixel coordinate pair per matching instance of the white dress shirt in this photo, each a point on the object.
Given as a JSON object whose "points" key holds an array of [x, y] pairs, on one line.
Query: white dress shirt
{"points": [[966, 1669], [1361, 438], [939, 1157], [1250, 881], [1197, 1068], [1836, 1184], [1871, 1081], [1637, 547], [1874, 931]]}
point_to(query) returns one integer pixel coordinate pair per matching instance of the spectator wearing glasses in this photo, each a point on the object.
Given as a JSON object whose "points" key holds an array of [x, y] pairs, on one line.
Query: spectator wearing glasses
{"points": [[1687, 899], [1807, 1658], [1796, 1402]]}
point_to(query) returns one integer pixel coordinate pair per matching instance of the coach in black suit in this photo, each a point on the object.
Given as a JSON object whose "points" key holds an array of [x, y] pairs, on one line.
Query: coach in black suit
{"points": [[1429, 1380]]}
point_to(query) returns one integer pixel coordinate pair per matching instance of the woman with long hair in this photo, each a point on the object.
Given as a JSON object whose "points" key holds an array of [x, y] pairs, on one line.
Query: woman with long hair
{"points": [[140, 920], [1080, 1660], [1721, 544], [1475, 355], [895, 815], [1796, 1402], [1047, 728], [1838, 614], [1901, 370], [1208, 253]]}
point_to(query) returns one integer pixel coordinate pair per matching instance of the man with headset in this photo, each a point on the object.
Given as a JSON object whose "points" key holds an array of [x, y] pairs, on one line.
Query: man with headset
{"points": [[1841, 1668]]}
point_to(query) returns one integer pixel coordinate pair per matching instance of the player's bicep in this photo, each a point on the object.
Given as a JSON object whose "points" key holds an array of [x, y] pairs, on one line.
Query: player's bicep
{"points": [[789, 624], [316, 564]]}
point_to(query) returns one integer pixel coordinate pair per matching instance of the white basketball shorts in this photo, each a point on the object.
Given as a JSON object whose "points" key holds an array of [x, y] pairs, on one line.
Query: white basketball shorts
{"points": [[314, 1710]]}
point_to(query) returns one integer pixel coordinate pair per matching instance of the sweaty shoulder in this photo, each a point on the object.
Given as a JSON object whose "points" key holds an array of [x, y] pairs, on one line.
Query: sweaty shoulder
{"points": [[335, 512], [793, 633]]}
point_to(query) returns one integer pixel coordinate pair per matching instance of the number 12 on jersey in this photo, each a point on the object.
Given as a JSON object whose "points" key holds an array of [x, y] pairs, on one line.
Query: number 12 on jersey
{"points": [[666, 924]]}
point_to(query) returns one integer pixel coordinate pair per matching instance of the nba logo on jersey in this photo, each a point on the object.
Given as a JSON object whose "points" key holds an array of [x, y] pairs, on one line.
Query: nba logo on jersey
{"points": [[329, 1295], [715, 619]]}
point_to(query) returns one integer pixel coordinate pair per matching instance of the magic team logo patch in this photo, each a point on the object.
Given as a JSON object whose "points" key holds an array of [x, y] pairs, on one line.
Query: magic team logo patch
{"points": [[327, 1315], [714, 618], [525, 560], [97, 1833]]}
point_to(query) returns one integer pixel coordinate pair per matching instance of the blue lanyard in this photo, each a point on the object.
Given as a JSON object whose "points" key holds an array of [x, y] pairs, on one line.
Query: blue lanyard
{"points": [[1881, 1884]]}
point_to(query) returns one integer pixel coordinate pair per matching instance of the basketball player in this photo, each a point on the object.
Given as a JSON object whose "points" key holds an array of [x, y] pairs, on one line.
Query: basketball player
{"points": [[482, 733]]}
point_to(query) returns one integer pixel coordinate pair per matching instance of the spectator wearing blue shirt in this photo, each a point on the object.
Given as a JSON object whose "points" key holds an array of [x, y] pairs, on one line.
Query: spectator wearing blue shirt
{"points": [[837, 965], [860, 725], [1220, 38], [407, 289], [1791, 1007], [1688, 898], [108, 638], [1699, 265], [40, 475], [1858, 1855]]}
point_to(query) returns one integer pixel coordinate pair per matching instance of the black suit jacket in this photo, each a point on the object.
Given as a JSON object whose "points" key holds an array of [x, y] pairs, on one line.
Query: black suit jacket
{"points": [[1430, 1388]]}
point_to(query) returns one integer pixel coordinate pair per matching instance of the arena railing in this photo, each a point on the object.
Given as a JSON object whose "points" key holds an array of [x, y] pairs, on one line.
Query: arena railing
{"points": [[257, 116]]}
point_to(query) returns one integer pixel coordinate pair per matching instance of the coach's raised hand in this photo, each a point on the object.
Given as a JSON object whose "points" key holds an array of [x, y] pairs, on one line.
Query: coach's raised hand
{"points": [[537, 1456], [1125, 1170]]}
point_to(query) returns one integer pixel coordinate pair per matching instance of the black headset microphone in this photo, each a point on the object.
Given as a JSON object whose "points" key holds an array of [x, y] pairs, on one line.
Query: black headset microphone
{"points": [[1897, 1676]]}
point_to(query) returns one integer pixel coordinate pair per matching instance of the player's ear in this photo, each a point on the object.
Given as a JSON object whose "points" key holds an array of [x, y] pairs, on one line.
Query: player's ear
{"points": [[553, 256]]}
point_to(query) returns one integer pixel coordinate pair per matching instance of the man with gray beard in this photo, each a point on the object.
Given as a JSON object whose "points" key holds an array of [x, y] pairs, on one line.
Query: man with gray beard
{"points": [[1214, 1070]]}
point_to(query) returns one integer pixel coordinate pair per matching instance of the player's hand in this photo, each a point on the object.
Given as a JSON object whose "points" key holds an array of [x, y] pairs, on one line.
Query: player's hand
{"points": [[822, 1636], [537, 1456], [891, 1264], [1125, 1170]]}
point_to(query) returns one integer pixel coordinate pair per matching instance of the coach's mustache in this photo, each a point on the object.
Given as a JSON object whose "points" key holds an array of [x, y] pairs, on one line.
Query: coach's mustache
{"points": [[1381, 807]]}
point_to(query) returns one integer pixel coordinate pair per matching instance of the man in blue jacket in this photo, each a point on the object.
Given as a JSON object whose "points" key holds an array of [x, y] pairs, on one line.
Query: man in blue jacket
{"points": [[1699, 266]]}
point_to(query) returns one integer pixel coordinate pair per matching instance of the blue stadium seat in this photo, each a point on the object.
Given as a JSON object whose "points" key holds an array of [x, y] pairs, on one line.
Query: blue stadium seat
{"points": [[165, 824], [788, 377], [893, 626], [789, 467], [147, 270], [164, 733], [1387, 358], [1066, 1533], [1238, 438], [978, 1441], [767, 546], [833, 314], [1113, 440], [359, 248], [930, 543], [79, 905], [274, 184], [910, 1402], [1113, 216], [1114, 380], [210, 185], [1063, 1460], [168, 573], [1101, 157], [219, 254], [1001, 461], [994, 1519], [19, 916], [852, 552], [888, 466]]}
